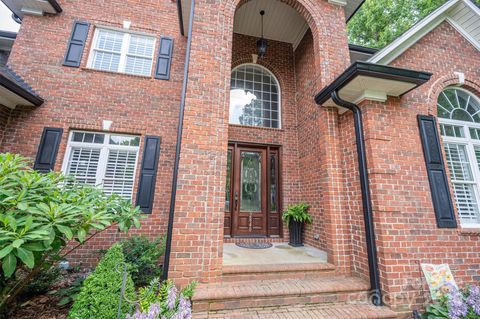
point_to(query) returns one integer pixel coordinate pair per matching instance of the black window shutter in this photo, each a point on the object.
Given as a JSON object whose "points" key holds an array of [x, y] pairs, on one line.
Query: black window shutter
{"points": [[76, 44], [164, 59], [437, 175], [48, 149], [148, 173]]}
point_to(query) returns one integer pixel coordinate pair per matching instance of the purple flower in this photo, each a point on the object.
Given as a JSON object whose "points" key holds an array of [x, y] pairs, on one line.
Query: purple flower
{"points": [[473, 299], [172, 297], [152, 313], [457, 308], [184, 308]]}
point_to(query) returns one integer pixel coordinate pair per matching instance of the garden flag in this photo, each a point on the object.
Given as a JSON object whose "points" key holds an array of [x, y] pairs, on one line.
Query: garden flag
{"points": [[437, 277]]}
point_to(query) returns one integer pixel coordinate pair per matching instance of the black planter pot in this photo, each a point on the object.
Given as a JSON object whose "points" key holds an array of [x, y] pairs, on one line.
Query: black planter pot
{"points": [[295, 228]]}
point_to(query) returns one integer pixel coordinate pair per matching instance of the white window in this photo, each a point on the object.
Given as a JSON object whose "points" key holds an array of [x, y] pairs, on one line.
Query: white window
{"points": [[459, 117], [106, 160], [254, 97], [123, 52]]}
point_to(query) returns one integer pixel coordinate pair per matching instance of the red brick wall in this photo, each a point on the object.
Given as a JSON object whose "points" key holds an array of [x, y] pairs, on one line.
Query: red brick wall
{"points": [[80, 98], [308, 137], [320, 164], [404, 217], [4, 115]]}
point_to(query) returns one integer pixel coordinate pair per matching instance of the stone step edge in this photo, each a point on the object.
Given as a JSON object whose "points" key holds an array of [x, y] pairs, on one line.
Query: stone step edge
{"points": [[363, 310], [277, 268], [226, 292]]}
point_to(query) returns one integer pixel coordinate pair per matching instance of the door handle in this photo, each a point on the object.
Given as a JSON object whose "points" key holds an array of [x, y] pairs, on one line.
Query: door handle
{"points": [[236, 201]]}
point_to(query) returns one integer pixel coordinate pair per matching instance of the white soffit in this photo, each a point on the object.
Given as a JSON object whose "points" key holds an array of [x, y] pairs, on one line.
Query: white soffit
{"points": [[35, 7], [463, 15], [282, 22], [11, 100], [365, 87]]}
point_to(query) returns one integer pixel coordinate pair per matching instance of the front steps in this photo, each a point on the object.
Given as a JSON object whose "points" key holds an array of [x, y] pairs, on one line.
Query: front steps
{"points": [[277, 271], [310, 290], [332, 311]]}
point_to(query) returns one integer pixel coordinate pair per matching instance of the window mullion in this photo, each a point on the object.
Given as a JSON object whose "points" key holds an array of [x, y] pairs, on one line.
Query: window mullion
{"points": [[123, 54], [102, 165]]}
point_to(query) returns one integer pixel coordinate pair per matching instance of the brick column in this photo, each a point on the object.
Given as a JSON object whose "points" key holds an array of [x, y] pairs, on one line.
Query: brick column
{"points": [[198, 225]]}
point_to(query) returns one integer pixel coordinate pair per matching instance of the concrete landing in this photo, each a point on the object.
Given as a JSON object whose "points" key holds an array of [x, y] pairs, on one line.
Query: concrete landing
{"points": [[280, 253]]}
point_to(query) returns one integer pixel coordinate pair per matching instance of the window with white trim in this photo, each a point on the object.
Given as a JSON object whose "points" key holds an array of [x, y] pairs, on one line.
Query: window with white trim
{"points": [[254, 97], [459, 117], [122, 52], [103, 159]]}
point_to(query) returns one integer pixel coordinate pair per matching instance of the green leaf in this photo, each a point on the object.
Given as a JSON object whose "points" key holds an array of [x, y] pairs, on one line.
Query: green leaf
{"points": [[43, 207], [66, 231], [64, 301], [34, 247], [136, 222], [17, 243], [5, 251], [81, 235], [22, 206], [26, 256], [9, 263], [12, 222]]}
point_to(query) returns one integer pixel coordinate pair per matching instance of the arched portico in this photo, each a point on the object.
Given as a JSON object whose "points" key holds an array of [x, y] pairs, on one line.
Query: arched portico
{"points": [[308, 173]]}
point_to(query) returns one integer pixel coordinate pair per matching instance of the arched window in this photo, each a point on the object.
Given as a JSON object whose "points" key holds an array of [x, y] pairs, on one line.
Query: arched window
{"points": [[254, 97], [459, 117]]}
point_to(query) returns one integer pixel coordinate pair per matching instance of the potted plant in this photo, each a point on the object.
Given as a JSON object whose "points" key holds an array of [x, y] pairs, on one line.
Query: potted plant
{"points": [[295, 217]]}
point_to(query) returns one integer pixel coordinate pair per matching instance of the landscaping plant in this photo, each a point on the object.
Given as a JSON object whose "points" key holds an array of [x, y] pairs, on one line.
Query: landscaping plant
{"points": [[41, 213], [295, 217], [456, 304], [164, 301], [143, 257], [100, 294], [298, 213]]}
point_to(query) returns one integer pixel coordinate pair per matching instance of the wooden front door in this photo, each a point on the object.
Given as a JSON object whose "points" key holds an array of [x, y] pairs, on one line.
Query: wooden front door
{"points": [[251, 205]]}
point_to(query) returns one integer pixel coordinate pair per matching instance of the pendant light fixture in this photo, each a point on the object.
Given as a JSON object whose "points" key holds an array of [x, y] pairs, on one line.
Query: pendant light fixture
{"points": [[262, 44]]}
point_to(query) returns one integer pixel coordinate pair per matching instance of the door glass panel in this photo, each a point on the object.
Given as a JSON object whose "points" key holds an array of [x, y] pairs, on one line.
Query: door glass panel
{"points": [[228, 187], [273, 182], [250, 182]]}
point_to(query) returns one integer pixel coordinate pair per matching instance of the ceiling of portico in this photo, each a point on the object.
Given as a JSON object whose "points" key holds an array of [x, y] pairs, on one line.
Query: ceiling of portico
{"points": [[282, 22]]}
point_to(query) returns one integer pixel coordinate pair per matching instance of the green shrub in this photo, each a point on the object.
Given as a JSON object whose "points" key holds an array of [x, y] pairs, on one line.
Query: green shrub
{"points": [[101, 290], [40, 214], [299, 213], [143, 256]]}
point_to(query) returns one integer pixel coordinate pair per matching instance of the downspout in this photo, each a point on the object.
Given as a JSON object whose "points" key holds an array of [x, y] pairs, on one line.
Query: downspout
{"points": [[180, 16], [178, 148], [366, 198]]}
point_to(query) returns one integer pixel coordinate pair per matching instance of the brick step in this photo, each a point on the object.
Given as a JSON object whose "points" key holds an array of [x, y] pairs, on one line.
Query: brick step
{"points": [[264, 293], [331, 311], [277, 271]]}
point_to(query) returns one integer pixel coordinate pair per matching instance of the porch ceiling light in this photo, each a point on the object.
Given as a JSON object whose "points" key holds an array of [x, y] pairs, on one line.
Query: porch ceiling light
{"points": [[262, 44]]}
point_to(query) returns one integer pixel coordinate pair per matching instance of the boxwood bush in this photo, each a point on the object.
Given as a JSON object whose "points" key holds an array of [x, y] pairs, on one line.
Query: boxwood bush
{"points": [[101, 290]]}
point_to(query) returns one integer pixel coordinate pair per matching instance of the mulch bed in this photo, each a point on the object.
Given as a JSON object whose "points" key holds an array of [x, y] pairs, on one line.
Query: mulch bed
{"points": [[45, 306]]}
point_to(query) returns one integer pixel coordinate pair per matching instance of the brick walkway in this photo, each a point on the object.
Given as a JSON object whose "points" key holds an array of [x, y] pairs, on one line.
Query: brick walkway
{"points": [[340, 311]]}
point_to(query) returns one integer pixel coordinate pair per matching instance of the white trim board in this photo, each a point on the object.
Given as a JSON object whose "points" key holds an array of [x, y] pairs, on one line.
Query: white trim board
{"points": [[423, 27]]}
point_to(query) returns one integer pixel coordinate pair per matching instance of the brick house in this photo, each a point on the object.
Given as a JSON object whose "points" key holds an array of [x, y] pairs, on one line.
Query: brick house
{"points": [[170, 104]]}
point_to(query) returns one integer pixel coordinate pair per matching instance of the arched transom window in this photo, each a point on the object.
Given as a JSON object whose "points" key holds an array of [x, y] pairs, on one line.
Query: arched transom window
{"points": [[459, 117], [254, 97]]}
